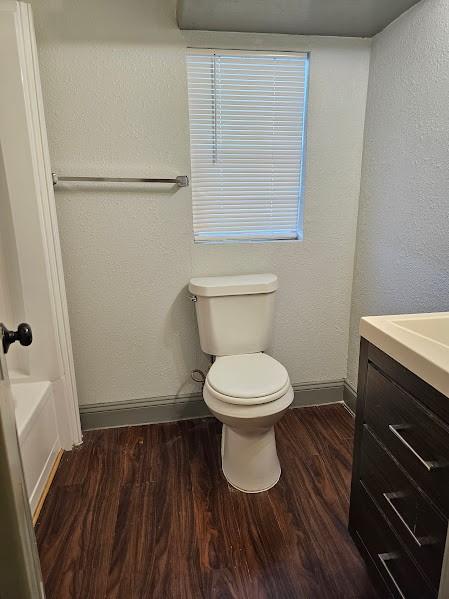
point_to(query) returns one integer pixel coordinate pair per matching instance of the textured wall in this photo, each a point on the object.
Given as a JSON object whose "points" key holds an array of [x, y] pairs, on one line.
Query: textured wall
{"points": [[402, 255], [115, 95]]}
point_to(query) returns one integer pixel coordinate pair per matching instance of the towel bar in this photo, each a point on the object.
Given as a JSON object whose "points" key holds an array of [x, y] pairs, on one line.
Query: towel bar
{"points": [[180, 181]]}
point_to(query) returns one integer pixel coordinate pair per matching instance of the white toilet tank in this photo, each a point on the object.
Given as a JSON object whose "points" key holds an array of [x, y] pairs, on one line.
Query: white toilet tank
{"points": [[234, 313]]}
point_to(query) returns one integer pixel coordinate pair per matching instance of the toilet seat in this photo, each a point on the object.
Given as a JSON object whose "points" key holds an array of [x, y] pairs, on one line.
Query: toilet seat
{"points": [[247, 379], [231, 413]]}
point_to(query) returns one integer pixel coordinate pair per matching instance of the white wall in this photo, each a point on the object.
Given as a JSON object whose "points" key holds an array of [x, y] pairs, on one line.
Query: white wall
{"points": [[114, 87], [402, 256]]}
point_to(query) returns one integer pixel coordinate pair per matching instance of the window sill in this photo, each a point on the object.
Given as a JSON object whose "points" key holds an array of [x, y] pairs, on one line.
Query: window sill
{"points": [[246, 241]]}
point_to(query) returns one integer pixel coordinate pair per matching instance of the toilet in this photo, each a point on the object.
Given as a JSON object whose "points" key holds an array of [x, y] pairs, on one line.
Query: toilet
{"points": [[245, 389]]}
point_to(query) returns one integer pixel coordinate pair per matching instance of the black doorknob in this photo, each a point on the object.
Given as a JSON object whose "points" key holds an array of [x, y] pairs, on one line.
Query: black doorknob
{"points": [[23, 335]]}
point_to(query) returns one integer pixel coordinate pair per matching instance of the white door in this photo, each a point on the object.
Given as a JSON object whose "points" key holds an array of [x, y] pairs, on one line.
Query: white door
{"points": [[31, 288], [20, 575]]}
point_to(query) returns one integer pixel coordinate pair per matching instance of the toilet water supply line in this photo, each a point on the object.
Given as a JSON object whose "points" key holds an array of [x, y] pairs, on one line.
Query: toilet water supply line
{"points": [[198, 375]]}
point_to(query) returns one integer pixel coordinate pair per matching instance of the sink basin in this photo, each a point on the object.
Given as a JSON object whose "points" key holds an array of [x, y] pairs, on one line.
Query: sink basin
{"points": [[420, 342], [433, 328]]}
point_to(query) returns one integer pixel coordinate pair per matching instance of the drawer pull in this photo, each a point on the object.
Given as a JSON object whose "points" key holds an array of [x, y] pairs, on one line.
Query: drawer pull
{"points": [[384, 559], [397, 429], [390, 497]]}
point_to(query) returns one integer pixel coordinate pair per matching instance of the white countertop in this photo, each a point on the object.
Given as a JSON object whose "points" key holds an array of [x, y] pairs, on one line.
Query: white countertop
{"points": [[420, 342]]}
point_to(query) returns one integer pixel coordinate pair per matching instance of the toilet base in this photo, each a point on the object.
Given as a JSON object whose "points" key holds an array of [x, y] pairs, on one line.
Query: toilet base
{"points": [[249, 458]]}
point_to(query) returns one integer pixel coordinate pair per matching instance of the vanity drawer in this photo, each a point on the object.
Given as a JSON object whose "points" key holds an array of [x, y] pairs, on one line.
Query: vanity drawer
{"points": [[416, 437], [387, 554], [418, 524]]}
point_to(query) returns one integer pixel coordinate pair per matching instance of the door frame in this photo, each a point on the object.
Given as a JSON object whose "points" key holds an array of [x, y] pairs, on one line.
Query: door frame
{"points": [[32, 202]]}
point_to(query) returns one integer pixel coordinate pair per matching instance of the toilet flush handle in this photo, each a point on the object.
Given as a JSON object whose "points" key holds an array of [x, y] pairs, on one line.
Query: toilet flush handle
{"points": [[193, 298]]}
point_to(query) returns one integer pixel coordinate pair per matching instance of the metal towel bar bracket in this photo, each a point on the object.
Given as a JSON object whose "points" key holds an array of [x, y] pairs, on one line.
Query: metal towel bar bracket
{"points": [[180, 181]]}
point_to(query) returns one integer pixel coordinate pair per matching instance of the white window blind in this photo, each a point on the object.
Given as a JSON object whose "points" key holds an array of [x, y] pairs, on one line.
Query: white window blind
{"points": [[247, 120]]}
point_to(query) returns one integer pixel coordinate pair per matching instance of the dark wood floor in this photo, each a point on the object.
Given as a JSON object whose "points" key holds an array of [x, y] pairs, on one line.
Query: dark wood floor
{"points": [[144, 512]]}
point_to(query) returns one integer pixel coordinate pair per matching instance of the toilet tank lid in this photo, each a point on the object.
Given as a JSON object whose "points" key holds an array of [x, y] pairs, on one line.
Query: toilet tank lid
{"points": [[233, 285]]}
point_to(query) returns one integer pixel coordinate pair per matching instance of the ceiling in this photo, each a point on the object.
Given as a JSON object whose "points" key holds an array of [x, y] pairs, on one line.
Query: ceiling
{"points": [[353, 18]]}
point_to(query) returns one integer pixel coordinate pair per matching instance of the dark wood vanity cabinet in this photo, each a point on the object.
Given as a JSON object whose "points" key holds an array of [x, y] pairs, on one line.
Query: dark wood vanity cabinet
{"points": [[400, 481]]}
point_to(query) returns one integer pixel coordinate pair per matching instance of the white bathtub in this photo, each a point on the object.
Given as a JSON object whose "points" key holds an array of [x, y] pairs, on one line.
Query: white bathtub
{"points": [[38, 434]]}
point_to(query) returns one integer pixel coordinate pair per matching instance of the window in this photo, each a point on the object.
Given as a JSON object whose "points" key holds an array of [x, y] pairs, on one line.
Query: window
{"points": [[247, 126]]}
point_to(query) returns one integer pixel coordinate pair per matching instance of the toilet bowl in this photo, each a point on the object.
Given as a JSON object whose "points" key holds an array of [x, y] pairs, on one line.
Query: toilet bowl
{"points": [[248, 393], [245, 389]]}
